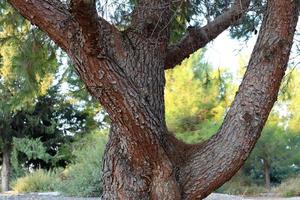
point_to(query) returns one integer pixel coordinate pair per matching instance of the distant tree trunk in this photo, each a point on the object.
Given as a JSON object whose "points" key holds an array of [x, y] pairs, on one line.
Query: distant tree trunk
{"points": [[267, 174], [5, 172], [125, 72]]}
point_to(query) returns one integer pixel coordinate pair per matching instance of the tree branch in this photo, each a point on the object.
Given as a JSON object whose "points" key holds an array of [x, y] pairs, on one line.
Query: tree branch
{"points": [[92, 26], [196, 38], [49, 15], [58, 22], [216, 161], [151, 18], [84, 11]]}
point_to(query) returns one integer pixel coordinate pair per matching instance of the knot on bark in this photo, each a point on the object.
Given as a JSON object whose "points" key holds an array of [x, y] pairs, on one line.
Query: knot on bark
{"points": [[247, 118]]}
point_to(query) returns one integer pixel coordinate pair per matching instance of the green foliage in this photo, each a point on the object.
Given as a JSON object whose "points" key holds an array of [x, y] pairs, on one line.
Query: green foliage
{"points": [[28, 62], [80, 178], [49, 129], [202, 132], [32, 148], [183, 107], [83, 176], [196, 98], [37, 181], [280, 149], [27, 66], [294, 98], [250, 22], [17, 170]]}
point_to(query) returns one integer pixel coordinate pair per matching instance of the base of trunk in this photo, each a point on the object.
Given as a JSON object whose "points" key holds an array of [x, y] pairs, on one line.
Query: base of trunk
{"points": [[5, 171], [267, 175], [125, 177]]}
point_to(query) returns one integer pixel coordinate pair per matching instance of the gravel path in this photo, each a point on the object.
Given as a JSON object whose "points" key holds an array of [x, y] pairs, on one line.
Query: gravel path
{"points": [[231, 197], [56, 196], [40, 196]]}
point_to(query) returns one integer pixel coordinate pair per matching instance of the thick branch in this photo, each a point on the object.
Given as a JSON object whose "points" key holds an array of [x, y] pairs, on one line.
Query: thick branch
{"points": [[58, 22], [99, 73], [151, 19], [85, 13], [216, 161], [197, 38], [49, 15], [92, 26]]}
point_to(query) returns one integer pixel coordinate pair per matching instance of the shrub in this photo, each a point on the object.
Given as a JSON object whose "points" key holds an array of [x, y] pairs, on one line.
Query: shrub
{"points": [[37, 181], [83, 177], [290, 187]]}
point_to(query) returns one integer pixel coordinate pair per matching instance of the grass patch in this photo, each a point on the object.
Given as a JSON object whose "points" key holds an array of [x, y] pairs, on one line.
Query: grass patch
{"points": [[37, 181], [289, 188], [241, 185]]}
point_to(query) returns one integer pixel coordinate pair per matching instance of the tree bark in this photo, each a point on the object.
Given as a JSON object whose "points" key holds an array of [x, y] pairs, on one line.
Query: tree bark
{"points": [[5, 171], [125, 72], [267, 174]]}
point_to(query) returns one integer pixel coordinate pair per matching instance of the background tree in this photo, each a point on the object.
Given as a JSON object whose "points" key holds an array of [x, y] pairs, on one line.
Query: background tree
{"points": [[274, 158], [27, 67], [124, 70], [37, 124], [54, 123], [195, 114]]}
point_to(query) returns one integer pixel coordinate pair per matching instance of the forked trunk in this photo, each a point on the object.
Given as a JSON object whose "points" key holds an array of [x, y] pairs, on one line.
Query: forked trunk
{"points": [[181, 171], [125, 72], [5, 171]]}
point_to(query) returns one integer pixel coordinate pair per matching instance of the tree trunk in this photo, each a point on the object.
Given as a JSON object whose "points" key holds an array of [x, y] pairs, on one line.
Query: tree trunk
{"points": [[5, 171], [125, 72], [267, 174]]}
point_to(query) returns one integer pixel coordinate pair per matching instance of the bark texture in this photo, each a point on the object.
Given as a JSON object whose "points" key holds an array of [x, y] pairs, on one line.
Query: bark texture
{"points": [[124, 70], [5, 171]]}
